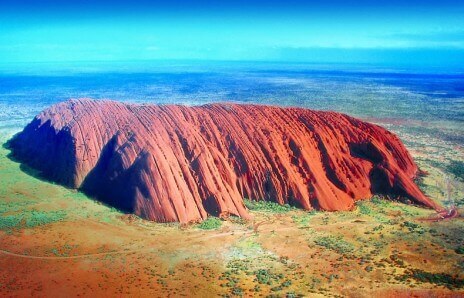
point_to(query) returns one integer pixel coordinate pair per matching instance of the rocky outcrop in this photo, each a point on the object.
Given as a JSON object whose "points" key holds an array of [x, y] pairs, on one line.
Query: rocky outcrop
{"points": [[177, 163]]}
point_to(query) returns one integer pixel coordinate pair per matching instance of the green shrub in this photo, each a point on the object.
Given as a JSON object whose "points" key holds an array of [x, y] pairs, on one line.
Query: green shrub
{"points": [[211, 223], [267, 206], [237, 291], [369, 268], [286, 283], [265, 276]]}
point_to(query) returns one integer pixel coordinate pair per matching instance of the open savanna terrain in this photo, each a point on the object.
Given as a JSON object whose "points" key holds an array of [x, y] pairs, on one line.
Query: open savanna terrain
{"points": [[56, 241]]}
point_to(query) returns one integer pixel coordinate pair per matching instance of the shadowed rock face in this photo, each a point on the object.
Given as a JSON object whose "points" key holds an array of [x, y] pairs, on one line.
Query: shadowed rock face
{"points": [[177, 163]]}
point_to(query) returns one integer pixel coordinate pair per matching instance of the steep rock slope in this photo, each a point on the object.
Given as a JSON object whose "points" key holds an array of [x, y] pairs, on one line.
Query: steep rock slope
{"points": [[178, 163]]}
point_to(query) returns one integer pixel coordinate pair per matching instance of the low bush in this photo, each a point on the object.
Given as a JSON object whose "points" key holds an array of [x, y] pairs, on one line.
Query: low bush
{"points": [[265, 276], [268, 206], [211, 223]]}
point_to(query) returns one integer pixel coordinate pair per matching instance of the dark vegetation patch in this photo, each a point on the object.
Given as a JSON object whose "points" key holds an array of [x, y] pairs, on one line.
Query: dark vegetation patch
{"points": [[456, 168], [413, 227], [460, 250], [441, 279]]}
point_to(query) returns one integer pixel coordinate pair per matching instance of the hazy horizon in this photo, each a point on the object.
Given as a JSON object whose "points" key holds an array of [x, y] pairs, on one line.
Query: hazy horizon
{"points": [[397, 33]]}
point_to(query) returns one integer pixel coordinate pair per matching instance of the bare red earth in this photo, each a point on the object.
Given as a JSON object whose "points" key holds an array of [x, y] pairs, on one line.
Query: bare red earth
{"points": [[178, 163]]}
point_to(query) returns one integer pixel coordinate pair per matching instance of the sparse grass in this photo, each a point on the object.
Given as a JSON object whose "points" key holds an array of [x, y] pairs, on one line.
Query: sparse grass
{"points": [[335, 243], [379, 201], [434, 163], [378, 208], [238, 220], [303, 219], [364, 209], [13, 206], [374, 209], [248, 243], [211, 223], [266, 206], [373, 206], [40, 218]]}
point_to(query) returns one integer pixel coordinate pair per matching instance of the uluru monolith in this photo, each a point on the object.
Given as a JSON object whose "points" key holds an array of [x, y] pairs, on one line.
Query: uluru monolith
{"points": [[181, 163]]}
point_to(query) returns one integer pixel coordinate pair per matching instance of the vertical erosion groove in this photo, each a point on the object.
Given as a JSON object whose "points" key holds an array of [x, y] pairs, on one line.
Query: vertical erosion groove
{"points": [[176, 163]]}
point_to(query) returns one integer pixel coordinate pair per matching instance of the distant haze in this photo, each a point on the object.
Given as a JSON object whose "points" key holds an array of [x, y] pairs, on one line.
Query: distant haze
{"points": [[388, 32]]}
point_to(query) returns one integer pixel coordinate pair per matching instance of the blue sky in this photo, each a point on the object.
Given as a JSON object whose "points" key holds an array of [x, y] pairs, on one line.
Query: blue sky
{"points": [[403, 32]]}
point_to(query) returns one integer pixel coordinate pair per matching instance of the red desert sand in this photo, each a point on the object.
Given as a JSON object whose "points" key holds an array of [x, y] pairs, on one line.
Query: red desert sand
{"points": [[182, 163]]}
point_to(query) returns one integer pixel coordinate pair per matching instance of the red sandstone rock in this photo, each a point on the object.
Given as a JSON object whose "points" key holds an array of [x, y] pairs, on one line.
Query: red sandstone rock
{"points": [[177, 163]]}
